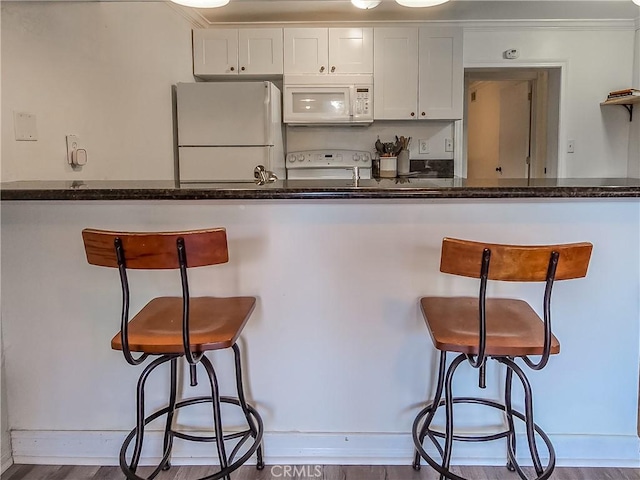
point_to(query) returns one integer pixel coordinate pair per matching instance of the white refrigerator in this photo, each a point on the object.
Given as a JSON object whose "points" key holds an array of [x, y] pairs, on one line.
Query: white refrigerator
{"points": [[226, 129]]}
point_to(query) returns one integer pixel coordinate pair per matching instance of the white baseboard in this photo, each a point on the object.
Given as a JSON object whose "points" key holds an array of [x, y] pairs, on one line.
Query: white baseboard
{"points": [[6, 459], [294, 448], [6, 462]]}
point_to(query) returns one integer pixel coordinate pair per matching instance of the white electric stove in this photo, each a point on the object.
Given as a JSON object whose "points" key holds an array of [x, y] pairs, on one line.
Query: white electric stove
{"points": [[328, 164]]}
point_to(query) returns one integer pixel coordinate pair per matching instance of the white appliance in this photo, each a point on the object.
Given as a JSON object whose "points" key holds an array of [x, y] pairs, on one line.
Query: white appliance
{"points": [[328, 165], [226, 129], [328, 99]]}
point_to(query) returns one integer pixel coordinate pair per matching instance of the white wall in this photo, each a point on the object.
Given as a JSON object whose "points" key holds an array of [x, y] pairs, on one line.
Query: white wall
{"points": [[590, 71], [338, 357], [100, 70]]}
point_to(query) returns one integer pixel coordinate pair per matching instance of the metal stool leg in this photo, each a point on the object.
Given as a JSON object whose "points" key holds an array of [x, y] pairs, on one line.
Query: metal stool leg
{"points": [[243, 404], [433, 407], [448, 396], [511, 439], [168, 434], [528, 414], [140, 419], [217, 416]]}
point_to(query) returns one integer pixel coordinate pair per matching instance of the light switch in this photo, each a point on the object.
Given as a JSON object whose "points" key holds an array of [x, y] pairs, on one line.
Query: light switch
{"points": [[25, 126]]}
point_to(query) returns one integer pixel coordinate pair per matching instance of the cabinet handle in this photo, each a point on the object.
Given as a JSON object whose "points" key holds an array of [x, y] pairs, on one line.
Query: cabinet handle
{"points": [[233, 69], [243, 69], [424, 114], [499, 169], [333, 69], [322, 69], [413, 114]]}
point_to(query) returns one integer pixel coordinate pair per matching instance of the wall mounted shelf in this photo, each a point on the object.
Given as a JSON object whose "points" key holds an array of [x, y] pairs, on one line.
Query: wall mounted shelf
{"points": [[627, 102]]}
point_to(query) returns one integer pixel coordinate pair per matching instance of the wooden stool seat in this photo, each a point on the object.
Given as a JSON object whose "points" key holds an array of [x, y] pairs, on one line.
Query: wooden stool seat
{"points": [[215, 323], [513, 327]]}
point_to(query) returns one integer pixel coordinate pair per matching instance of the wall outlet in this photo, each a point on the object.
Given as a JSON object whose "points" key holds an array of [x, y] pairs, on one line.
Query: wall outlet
{"points": [[73, 143], [76, 155], [423, 146], [448, 145], [571, 146]]}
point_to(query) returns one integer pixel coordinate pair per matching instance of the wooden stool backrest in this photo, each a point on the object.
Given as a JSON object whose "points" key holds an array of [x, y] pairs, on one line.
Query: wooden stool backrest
{"points": [[514, 263], [156, 250]]}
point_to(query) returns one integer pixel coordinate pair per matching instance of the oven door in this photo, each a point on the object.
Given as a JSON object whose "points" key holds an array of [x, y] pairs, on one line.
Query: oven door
{"points": [[326, 173]]}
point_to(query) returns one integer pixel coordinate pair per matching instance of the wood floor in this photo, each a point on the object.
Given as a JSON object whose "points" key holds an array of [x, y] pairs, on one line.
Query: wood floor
{"points": [[328, 472]]}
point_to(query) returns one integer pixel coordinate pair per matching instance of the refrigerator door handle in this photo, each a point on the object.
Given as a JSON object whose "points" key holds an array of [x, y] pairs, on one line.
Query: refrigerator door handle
{"points": [[267, 112]]}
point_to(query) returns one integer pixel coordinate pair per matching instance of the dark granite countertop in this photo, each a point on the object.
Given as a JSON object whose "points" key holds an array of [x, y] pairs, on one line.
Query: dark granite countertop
{"points": [[415, 188]]}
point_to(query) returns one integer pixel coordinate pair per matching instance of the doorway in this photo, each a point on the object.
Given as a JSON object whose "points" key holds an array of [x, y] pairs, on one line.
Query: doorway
{"points": [[511, 122]]}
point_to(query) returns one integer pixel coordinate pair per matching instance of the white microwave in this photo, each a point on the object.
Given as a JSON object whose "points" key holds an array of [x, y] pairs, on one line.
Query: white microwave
{"points": [[328, 99]]}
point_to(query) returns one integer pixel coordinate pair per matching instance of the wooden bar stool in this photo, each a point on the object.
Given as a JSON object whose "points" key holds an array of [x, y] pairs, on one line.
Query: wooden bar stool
{"points": [[500, 329], [170, 328]]}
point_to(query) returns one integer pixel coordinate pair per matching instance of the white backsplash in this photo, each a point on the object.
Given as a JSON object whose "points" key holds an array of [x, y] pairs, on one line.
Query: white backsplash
{"points": [[364, 138]]}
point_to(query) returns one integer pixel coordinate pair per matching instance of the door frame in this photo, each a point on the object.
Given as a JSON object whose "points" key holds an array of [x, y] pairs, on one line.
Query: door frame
{"points": [[497, 69]]}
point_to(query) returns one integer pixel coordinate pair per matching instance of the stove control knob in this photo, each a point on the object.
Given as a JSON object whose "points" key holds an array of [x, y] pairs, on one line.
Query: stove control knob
{"points": [[355, 157], [292, 158], [365, 158], [300, 158]]}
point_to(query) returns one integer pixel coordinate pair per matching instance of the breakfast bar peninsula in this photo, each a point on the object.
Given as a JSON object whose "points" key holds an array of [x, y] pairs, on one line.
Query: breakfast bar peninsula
{"points": [[338, 358]]}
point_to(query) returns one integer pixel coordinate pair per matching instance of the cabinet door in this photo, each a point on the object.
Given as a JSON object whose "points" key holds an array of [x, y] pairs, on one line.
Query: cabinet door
{"points": [[395, 73], [260, 51], [306, 50], [441, 73], [351, 50], [215, 51]]}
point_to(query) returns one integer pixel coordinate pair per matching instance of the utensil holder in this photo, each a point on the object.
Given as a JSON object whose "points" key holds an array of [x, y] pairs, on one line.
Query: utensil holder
{"points": [[403, 162], [388, 167]]}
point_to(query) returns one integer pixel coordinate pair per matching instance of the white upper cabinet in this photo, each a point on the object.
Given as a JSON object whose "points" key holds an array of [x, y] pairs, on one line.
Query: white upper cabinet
{"points": [[441, 76], [351, 50], [232, 51], [418, 73], [395, 73], [328, 50], [306, 50]]}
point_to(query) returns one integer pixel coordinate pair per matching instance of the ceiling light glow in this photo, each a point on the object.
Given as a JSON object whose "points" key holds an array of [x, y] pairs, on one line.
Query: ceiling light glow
{"points": [[637, 2], [202, 3], [423, 3], [366, 4]]}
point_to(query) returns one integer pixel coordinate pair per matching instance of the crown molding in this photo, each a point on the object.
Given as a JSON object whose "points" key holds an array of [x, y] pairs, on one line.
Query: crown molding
{"points": [[192, 15], [471, 25], [599, 24]]}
